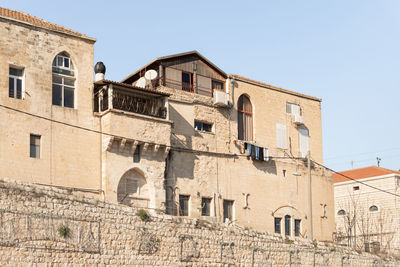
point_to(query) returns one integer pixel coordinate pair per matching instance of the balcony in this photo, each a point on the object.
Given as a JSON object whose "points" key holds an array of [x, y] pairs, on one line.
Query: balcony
{"points": [[109, 95]]}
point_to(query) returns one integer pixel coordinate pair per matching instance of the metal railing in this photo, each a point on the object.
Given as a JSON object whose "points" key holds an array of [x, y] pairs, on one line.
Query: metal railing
{"points": [[134, 102]]}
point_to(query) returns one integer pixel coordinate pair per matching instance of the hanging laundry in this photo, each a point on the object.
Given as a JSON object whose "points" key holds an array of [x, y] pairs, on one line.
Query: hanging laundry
{"points": [[248, 147], [266, 154], [261, 153], [253, 152], [257, 152]]}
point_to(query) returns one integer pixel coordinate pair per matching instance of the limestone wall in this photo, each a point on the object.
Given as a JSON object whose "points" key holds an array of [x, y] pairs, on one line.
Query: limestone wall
{"points": [[102, 233]]}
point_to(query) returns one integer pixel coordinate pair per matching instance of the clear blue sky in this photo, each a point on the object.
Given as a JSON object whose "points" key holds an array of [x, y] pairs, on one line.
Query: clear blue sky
{"points": [[345, 52]]}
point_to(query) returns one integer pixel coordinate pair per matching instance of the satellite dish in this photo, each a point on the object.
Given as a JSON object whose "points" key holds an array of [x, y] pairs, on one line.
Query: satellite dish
{"points": [[150, 75], [141, 83]]}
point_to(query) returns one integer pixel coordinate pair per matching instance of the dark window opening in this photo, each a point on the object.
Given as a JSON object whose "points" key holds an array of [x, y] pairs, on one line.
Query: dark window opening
{"points": [[341, 212], [373, 208], [228, 210], [184, 205], [136, 154], [355, 188], [34, 146], [217, 85], [287, 225], [297, 227], [277, 225], [205, 206], [202, 126], [187, 81]]}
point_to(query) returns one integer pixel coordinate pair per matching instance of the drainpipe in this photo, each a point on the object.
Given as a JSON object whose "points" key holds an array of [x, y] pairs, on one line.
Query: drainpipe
{"points": [[310, 195]]}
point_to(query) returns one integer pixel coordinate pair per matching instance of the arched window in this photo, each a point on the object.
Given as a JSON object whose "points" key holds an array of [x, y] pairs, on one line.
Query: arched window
{"points": [[341, 212], [132, 189], [245, 120], [373, 208], [63, 81]]}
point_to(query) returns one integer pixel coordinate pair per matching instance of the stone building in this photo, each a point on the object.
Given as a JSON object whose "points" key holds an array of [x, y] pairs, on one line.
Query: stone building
{"points": [[367, 209], [178, 136]]}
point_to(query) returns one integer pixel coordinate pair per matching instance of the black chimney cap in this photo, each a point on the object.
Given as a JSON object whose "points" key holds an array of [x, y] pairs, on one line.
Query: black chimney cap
{"points": [[100, 68]]}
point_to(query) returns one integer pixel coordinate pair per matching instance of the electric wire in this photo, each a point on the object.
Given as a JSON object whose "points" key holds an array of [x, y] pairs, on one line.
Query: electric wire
{"points": [[356, 180], [175, 148], [189, 150]]}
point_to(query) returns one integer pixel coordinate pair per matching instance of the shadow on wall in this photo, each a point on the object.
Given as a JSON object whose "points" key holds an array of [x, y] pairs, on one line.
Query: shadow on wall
{"points": [[265, 166], [181, 126]]}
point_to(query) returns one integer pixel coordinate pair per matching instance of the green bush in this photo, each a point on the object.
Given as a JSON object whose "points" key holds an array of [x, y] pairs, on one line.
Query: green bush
{"points": [[64, 231], [143, 215]]}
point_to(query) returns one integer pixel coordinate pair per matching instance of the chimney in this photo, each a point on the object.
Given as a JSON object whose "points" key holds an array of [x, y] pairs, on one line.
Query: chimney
{"points": [[99, 70]]}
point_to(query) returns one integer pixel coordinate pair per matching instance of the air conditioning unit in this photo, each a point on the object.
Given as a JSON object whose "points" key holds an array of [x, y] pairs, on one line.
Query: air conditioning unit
{"points": [[220, 99], [297, 119]]}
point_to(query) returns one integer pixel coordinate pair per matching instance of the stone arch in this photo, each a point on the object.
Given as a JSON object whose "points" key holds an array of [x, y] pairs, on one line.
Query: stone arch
{"points": [[133, 189]]}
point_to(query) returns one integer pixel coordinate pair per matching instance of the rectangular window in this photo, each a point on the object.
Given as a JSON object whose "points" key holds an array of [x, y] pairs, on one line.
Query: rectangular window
{"points": [[34, 146], [136, 154], [184, 205], [217, 85], [187, 81], [356, 188], [15, 82], [205, 206], [228, 210], [287, 225], [281, 136], [297, 227], [63, 91], [202, 126], [277, 225]]}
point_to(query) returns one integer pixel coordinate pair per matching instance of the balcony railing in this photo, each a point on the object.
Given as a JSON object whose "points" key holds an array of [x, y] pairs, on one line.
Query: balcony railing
{"points": [[131, 101]]}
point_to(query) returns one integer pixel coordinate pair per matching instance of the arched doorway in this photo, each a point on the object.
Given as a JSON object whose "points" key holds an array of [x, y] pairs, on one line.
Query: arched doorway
{"points": [[133, 189]]}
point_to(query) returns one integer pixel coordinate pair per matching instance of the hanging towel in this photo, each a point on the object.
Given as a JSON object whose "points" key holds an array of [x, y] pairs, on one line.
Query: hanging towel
{"points": [[266, 156], [249, 148], [261, 153], [257, 152], [253, 152]]}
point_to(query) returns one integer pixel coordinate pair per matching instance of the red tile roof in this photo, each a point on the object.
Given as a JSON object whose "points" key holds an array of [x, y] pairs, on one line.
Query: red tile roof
{"points": [[23, 17], [276, 87], [362, 173]]}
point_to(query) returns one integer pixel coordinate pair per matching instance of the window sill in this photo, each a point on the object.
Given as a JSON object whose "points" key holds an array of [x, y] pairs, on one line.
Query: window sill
{"points": [[204, 132]]}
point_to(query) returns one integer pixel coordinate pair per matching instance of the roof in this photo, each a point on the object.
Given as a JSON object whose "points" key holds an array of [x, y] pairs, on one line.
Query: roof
{"points": [[128, 86], [269, 86], [190, 53], [31, 20], [362, 173]]}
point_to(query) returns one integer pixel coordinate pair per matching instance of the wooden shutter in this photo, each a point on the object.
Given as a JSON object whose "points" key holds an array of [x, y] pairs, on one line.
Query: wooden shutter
{"points": [[281, 138], [303, 141], [204, 85]]}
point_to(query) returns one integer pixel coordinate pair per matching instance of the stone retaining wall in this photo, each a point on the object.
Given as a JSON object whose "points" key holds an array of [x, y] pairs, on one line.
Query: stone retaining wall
{"points": [[50, 226]]}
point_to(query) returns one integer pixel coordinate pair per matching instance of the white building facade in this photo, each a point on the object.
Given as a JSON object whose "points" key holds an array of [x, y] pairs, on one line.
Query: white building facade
{"points": [[367, 209]]}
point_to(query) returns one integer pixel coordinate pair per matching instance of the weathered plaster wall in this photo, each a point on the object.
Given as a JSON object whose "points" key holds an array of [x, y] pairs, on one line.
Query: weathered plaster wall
{"points": [[102, 233], [273, 189], [61, 161]]}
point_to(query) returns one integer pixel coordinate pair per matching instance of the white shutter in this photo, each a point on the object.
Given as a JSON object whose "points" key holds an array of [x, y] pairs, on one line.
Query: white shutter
{"points": [[281, 136], [303, 141], [295, 109]]}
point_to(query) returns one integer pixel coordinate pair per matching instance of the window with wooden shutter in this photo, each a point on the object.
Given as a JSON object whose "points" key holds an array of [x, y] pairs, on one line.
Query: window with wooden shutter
{"points": [[245, 119], [303, 141], [281, 138]]}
